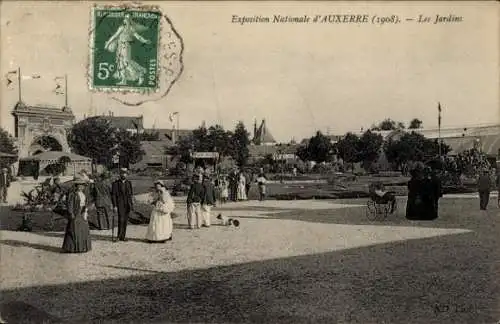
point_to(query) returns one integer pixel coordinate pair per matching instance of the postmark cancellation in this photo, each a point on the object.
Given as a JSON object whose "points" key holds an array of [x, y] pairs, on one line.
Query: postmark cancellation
{"points": [[135, 52]]}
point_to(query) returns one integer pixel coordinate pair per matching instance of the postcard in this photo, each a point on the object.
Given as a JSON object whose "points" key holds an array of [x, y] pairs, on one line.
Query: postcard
{"points": [[249, 162]]}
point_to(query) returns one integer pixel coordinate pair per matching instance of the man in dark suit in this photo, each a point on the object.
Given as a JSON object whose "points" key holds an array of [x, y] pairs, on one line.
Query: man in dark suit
{"points": [[484, 188], [122, 199], [5, 180]]}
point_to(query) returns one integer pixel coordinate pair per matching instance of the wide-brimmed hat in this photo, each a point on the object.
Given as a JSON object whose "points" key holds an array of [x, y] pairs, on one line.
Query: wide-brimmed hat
{"points": [[160, 182]]}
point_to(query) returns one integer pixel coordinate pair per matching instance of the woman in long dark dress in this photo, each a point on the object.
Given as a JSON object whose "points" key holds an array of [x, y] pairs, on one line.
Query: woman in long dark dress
{"points": [[77, 235], [415, 205], [421, 196], [101, 194]]}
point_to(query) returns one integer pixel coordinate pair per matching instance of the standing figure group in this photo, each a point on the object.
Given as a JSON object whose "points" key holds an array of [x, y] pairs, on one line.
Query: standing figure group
{"points": [[239, 184], [424, 191], [200, 201]]}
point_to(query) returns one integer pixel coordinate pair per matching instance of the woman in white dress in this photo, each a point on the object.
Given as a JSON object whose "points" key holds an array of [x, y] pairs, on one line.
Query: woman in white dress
{"points": [[242, 195], [160, 222]]}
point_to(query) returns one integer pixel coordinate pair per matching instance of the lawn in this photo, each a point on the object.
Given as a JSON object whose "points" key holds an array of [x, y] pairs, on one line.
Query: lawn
{"points": [[343, 187], [289, 262]]}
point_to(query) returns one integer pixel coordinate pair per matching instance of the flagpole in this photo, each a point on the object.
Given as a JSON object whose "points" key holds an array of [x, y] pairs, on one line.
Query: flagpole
{"points": [[65, 90], [439, 129], [19, 82], [178, 124]]}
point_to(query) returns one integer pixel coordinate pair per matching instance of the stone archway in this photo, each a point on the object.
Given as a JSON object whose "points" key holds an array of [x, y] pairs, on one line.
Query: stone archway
{"points": [[44, 143], [33, 123]]}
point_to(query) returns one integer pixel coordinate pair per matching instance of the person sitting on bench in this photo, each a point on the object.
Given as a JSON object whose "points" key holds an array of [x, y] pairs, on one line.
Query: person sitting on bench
{"points": [[384, 197]]}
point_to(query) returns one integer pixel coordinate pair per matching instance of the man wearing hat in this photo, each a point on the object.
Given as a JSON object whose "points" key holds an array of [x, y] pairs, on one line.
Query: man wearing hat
{"points": [[4, 184], [122, 200], [484, 188]]}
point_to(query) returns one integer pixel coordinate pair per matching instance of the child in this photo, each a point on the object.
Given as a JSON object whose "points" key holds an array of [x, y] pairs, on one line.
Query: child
{"points": [[224, 193]]}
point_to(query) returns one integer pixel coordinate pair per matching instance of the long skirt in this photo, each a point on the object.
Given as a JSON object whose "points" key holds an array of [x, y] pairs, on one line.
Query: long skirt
{"points": [[102, 221], [421, 208], [77, 236], [242, 195], [160, 227]]}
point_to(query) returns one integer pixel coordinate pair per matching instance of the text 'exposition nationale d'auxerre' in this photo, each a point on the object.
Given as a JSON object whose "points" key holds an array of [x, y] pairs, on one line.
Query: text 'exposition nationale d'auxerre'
{"points": [[346, 19]]}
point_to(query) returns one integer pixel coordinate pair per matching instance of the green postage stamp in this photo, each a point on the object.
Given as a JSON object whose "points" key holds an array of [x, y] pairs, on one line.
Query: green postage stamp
{"points": [[125, 49]]}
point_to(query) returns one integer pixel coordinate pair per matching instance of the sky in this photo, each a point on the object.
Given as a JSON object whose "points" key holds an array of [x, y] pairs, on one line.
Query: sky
{"points": [[299, 77]]}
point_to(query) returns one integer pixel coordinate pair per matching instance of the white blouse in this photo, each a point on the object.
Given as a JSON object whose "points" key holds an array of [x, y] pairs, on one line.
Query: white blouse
{"points": [[81, 195]]}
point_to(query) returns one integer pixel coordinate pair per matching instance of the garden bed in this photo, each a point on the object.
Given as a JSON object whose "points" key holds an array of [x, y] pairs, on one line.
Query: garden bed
{"points": [[46, 220]]}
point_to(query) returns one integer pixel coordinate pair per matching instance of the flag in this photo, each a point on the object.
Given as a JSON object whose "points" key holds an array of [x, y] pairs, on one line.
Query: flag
{"points": [[171, 116], [9, 76], [59, 90], [30, 77]]}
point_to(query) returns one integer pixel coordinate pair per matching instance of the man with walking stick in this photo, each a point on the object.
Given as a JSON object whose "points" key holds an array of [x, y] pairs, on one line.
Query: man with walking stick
{"points": [[122, 199]]}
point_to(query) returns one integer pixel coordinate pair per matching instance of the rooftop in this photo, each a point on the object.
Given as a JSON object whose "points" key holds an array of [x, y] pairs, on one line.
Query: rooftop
{"points": [[22, 109], [166, 134], [55, 155], [262, 135], [124, 122]]}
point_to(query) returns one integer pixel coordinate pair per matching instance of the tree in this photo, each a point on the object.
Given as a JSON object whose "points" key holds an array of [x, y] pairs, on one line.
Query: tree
{"points": [[213, 139], [241, 140], [220, 141], [303, 152], [387, 125], [183, 149], [413, 147], [319, 148], [369, 148], [348, 148], [93, 137], [7, 143], [7, 146], [129, 147], [415, 123]]}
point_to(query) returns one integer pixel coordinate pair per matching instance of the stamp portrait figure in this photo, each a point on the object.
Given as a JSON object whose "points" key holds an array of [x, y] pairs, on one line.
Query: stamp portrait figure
{"points": [[124, 50], [121, 44]]}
